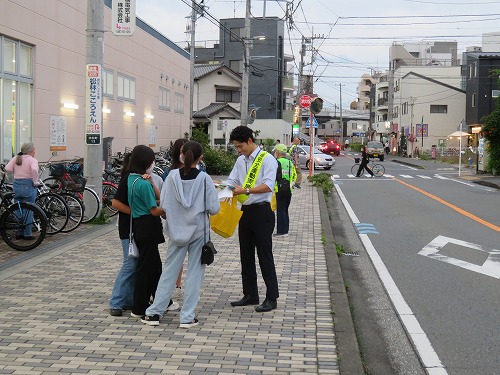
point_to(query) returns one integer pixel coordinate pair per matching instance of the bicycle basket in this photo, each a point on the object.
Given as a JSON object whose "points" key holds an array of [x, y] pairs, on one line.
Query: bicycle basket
{"points": [[76, 184], [75, 169], [57, 170]]}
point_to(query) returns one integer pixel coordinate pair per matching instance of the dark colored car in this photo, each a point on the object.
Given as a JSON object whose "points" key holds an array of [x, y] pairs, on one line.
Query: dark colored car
{"points": [[330, 148]]}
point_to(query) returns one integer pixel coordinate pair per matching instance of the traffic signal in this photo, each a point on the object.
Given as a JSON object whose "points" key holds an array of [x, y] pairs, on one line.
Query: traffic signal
{"points": [[316, 105]]}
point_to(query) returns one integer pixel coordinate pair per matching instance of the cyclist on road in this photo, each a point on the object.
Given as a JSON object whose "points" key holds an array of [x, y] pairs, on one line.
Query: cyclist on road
{"points": [[365, 159]]}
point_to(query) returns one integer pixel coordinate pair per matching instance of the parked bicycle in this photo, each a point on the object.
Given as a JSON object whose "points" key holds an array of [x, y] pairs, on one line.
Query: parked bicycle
{"points": [[69, 179], [16, 216], [377, 169]]}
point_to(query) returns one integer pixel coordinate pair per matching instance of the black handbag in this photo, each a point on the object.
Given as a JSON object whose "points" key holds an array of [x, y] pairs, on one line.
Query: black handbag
{"points": [[208, 250]]}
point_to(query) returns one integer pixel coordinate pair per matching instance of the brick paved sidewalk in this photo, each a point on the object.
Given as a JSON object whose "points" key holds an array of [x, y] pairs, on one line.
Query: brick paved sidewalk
{"points": [[54, 316]]}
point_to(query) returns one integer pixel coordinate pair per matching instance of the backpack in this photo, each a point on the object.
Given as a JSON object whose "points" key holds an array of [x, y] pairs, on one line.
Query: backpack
{"points": [[282, 183]]}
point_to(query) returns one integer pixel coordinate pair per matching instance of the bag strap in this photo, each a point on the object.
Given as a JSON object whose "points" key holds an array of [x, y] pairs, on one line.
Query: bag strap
{"points": [[205, 212], [130, 203]]}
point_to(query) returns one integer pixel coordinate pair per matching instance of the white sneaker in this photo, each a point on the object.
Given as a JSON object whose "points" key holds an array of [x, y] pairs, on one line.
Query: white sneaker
{"points": [[173, 307], [136, 316], [190, 324]]}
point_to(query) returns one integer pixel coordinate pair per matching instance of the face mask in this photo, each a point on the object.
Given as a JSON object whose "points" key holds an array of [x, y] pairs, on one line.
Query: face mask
{"points": [[150, 169], [181, 158]]}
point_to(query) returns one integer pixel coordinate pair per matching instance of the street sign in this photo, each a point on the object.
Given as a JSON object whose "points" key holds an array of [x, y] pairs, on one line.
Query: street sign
{"points": [[93, 106], [315, 123], [304, 101], [123, 17]]}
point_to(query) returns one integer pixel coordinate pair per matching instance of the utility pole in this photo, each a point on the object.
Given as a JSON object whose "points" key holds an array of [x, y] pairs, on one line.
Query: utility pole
{"points": [[191, 66], [196, 9], [93, 158], [301, 67], [341, 120], [412, 103], [246, 67]]}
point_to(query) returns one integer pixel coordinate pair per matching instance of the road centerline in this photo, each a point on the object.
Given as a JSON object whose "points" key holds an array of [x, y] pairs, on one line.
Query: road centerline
{"points": [[452, 206]]}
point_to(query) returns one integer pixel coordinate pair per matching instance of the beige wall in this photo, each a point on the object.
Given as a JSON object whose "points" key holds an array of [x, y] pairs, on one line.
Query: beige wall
{"points": [[205, 89], [56, 29]]}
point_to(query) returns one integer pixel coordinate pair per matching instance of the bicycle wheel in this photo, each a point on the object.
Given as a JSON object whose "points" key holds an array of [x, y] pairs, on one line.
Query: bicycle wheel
{"points": [[378, 170], [108, 193], [75, 207], [91, 204], [56, 210], [53, 183], [355, 168], [16, 218]]}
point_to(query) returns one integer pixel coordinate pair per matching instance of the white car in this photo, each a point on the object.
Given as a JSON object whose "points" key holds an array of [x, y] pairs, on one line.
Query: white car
{"points": [[321, 160]]}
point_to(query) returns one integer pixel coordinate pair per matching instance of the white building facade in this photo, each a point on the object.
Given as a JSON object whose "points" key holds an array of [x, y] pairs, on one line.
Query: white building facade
{"points": [[42, 72], [430, 96]]}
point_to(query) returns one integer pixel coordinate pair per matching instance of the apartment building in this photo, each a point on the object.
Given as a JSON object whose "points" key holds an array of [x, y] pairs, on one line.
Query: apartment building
{"points": [[271, 74]]}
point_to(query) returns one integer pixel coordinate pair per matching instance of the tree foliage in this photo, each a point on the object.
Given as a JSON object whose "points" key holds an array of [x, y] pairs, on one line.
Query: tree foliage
{"points": [[491, 132]]}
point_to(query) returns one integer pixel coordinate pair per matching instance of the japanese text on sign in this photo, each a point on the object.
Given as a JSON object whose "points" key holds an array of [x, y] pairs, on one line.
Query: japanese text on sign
{"points": [[123, 17], [93, 108]]}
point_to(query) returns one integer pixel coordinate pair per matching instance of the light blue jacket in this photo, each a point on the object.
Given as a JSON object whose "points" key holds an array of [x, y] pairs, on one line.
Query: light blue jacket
{"points": [[183, 203]]}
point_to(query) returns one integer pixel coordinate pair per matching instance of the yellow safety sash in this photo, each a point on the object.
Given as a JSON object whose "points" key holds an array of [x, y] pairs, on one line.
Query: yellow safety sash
{"points": [[252, 175]]}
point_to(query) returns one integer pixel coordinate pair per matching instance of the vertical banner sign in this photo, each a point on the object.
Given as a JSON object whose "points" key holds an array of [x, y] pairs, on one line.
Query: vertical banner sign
{"points": [[93, 105], [152, 136], [57, 133], [123, 17]]}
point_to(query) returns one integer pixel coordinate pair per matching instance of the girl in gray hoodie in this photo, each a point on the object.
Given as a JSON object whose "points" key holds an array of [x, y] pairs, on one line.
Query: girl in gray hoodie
{"points": [[183, 200]]}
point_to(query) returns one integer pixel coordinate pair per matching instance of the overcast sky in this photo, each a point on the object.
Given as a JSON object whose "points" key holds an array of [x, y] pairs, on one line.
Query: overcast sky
{"points": [[357, 33]]}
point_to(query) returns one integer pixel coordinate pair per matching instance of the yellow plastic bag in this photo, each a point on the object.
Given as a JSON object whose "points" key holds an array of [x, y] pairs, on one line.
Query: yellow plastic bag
{"points": [[273, 202], [226, 221]]}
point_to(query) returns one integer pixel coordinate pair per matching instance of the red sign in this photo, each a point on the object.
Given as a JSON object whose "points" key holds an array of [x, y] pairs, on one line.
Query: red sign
{"points": [[304, 101]]}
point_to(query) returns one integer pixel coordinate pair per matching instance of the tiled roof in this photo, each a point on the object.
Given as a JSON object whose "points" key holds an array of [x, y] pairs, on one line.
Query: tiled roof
{"points": [[215, 108], [201, 70]]}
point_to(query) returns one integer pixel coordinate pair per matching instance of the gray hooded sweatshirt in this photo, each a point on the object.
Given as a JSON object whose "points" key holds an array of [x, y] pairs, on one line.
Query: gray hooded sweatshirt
{"points": [[183, 202]]}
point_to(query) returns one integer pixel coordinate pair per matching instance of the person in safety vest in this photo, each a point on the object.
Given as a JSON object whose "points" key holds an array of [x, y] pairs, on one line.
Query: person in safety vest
{"points": [[294, 156], [285, 177], [253, 177]]}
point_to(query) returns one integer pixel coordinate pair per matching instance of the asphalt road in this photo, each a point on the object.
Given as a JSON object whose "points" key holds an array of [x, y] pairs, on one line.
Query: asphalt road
{"points": [[432, 238]]}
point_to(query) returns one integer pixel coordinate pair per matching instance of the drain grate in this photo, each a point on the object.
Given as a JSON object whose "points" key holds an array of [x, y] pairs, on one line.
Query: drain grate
{"points": [[351, 253]]}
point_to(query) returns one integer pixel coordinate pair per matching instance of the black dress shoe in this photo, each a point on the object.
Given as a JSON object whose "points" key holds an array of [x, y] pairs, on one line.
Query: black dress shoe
{"points": [[246, 300], [115, 312], [267, 305]]}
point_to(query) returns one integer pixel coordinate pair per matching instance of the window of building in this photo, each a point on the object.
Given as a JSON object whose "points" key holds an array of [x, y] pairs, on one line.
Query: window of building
{"points": [[9, 52], [404, 108], [227, 96], [126, 88], [473, 100], [179, 103], [107, 83], [435, 108], [354, 126], [236, 34], [16, 96], [25, 65], [164, 99], [236, 65]]}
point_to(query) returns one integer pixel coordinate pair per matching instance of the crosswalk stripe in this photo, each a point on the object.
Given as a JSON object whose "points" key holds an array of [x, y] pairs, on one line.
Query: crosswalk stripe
{"points": [[441, 177], [406, 176], [425, 177], [388, 175]]}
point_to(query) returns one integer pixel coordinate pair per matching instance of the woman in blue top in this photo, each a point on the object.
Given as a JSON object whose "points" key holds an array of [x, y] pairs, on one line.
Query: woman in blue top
{"points": [[146, 226]]}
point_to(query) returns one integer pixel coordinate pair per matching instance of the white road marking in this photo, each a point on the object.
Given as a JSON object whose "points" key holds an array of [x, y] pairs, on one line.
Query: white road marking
{"points": [[424, 177], [441, 177], [406, 176], [423, 346], [335, 176], [388, 175], [491, 266]]}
